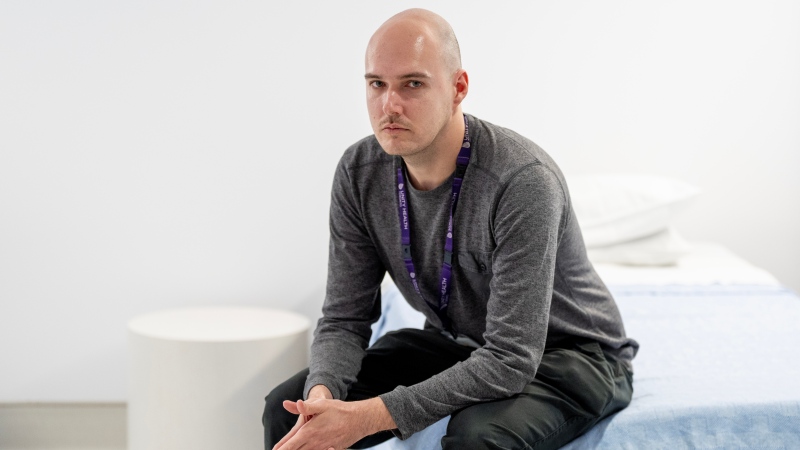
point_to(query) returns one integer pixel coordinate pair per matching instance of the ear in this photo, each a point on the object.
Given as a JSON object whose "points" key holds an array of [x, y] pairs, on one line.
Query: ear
{"points": [[461, 86]]}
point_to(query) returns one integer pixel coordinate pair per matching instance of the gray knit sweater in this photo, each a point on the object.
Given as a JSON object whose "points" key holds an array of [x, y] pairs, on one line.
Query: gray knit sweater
{"points": [[521, 277]]}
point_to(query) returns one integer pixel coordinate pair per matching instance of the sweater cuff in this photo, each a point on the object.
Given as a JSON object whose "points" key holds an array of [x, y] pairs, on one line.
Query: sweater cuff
{"points": [[394, 401], [332, 383]]}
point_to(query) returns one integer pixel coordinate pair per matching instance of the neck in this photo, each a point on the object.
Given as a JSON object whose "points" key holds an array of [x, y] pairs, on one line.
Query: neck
{"points": [[429, 169]]}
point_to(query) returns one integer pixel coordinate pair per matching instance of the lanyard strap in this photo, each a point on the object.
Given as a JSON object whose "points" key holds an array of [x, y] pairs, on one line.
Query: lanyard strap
{"points": [[405, 233]]}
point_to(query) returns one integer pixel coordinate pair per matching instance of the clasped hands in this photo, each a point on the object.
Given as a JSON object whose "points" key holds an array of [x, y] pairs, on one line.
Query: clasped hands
{"points": [[327, 424]]}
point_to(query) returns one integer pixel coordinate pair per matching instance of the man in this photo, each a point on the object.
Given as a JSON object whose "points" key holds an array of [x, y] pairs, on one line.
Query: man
{"points": [[523, 344]]}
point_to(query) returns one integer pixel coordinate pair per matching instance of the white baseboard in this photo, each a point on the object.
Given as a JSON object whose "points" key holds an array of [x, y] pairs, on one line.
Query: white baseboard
{"points": [[63, 426]]}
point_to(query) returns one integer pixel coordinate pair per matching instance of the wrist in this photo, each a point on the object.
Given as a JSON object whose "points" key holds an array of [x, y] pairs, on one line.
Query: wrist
{"points": [[320, 391], [378, 416]]}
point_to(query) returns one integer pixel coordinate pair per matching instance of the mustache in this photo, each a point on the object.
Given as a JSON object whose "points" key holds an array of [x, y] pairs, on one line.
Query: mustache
{"points": [[393, 121]]}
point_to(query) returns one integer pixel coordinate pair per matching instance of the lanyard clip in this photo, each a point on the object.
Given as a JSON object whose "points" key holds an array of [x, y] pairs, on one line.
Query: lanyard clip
{"points": [[448, 324], [453, 332]]}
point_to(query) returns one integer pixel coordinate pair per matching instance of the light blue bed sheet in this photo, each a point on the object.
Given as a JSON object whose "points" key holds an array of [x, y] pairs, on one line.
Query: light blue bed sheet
{"points": [[718, 368]]}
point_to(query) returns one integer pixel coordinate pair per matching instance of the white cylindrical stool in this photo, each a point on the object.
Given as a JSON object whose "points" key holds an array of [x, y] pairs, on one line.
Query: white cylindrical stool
{"points": [[198, 376]]}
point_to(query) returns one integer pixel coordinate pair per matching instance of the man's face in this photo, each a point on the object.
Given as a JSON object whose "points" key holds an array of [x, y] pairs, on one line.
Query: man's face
{"points": [[409, 91]]}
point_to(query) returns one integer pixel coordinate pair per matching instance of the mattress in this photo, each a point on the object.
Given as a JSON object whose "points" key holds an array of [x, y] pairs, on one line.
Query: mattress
{"points": [[718, 364], [707, 264]]}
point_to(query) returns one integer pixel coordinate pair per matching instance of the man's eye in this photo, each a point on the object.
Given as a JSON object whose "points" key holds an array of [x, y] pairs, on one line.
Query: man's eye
{"points": [[415, 84], [376, 84]]}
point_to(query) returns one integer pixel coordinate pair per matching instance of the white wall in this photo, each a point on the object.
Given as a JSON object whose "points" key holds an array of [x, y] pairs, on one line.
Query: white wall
{"points": [[160, 154]]}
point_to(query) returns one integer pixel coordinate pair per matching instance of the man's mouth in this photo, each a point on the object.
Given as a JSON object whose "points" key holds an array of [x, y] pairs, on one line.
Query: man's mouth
{"points": [[391, 128]]}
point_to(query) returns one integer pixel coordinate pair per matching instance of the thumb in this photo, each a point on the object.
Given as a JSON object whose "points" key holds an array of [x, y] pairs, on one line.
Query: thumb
{"points": [[291, 406], [311, 407]]}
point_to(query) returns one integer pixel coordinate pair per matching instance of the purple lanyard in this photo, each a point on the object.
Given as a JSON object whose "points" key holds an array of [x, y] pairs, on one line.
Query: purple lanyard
{"points": [[447, 269]]}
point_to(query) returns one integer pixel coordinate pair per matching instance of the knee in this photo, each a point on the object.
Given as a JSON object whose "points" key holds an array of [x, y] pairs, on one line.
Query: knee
{"points": [[460, 438], [479, 433], [291, 389], [271, 402]]}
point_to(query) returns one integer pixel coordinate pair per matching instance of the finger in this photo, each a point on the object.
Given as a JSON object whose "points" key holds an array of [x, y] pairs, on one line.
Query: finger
{"points": [[286, 438], [301, 408], [311, 407], [300, 422], [291, 406]]}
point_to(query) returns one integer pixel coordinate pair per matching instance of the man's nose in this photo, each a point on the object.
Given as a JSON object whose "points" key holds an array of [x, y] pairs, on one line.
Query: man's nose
{"points": [[392, 104]]}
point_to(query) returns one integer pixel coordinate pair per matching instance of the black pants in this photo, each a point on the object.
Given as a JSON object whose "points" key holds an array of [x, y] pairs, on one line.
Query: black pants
{"points": [[576, 386]]}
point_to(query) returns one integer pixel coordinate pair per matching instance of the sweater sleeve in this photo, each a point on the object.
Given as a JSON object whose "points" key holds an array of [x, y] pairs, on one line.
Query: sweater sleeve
{"points": [[528, 220], [352, 297]]}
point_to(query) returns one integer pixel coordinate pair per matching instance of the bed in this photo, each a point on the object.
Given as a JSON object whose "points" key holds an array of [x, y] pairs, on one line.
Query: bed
{"points": [[718, 365]]}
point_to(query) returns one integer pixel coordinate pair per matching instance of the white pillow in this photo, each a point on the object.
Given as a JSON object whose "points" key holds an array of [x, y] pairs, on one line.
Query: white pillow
{"points": [[619, 208], [660, 249]]}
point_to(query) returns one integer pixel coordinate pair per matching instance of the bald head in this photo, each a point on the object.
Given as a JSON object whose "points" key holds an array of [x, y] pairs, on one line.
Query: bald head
{"points": [[421, 30], [415, 86]]}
